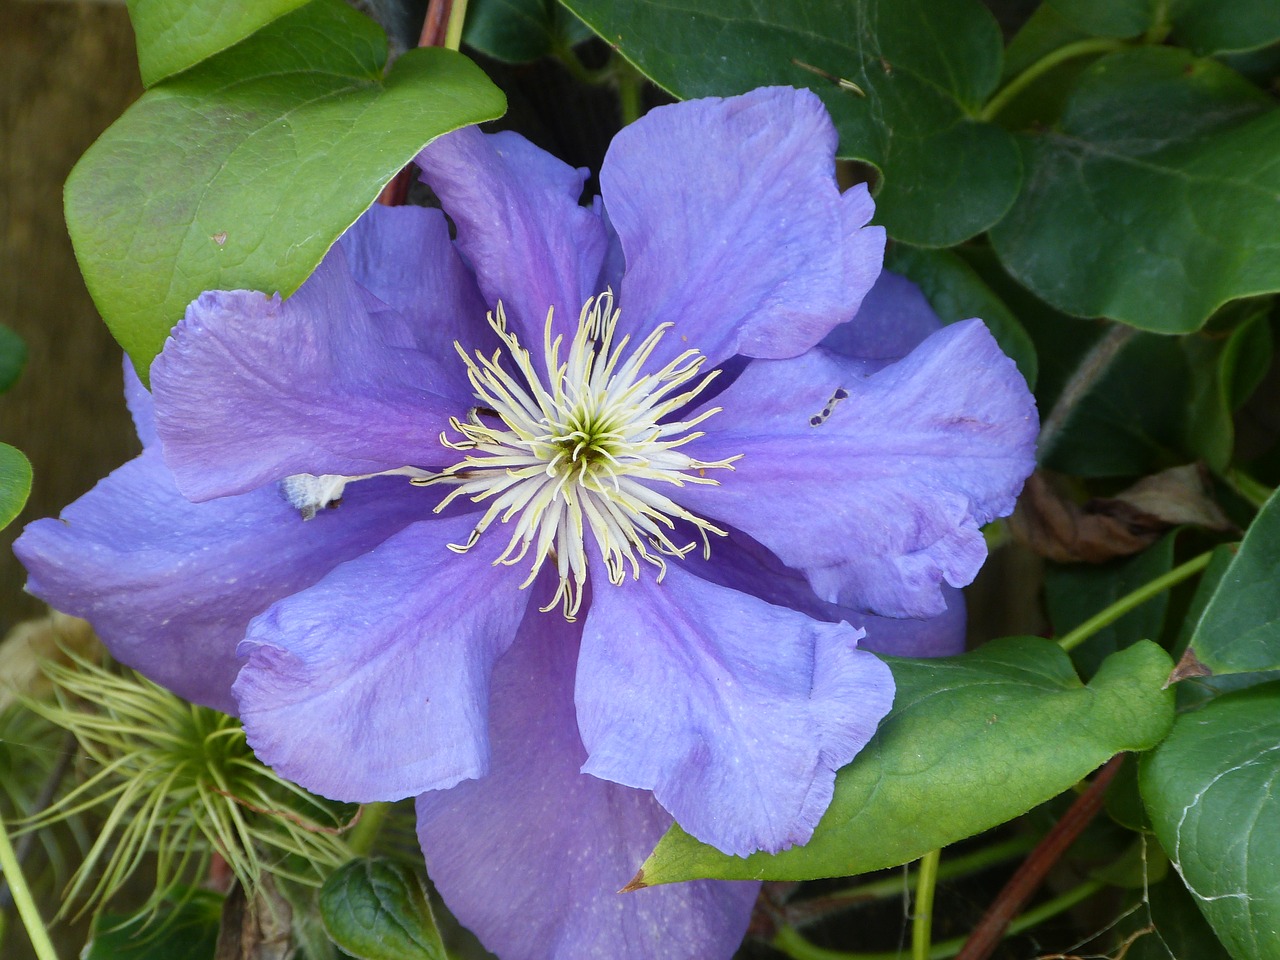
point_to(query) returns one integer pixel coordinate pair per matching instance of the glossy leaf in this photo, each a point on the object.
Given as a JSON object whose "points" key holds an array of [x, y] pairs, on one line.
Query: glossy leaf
{"points": [[956, 292], [15, 483], [903, 79], [378, 910], [1155, 200], [241, 173], [1105, 18], [174, 35], [186, 931], [1177, 930], [517, 31], [1210, 791], [971, 742], [1240, 628], [1218, 26]]}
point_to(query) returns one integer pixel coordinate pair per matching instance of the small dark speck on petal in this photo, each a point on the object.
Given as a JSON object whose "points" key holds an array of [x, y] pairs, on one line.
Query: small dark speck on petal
{"points": [[815, 421]]}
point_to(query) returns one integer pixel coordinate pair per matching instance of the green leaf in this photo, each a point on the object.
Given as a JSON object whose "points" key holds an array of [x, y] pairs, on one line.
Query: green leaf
{"points": [[922, 70], [243, 171], [378, 910], [956, 292], [971, 742], [1076, 592], [1105, 18], [15, 483], [1221, 26], [186, 931], [1240, 628], [517, 31], [1156, 199], [13, 357], [1210, 790], [173, 35], [1224, 371]]}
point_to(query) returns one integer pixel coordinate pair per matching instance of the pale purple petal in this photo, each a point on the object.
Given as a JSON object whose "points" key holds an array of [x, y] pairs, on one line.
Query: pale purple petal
{"points": [[250, 389], [520, 226], [141, 407], [404, 257], [734, 712], [893, 320], [733, 227], [940, 636], [532, 856], [170, 585], [740, 563], [374, 684], [898, 471]]}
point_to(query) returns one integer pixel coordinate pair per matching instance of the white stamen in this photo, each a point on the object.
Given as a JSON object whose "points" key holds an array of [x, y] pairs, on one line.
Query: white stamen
{"points": [[576, 448]]}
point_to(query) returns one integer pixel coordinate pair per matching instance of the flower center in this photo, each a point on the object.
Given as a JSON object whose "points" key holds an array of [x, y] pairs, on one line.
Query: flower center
{"points": [[579, 449]]}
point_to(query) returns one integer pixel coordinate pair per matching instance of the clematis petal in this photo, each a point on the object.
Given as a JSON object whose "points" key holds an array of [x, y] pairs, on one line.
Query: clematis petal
{"points": [[519, 225], [141, 407], [740, 563], [250, 389], [898, 470], [170, 585], [733, 227], [532, 856], [893, 320], [404, 257], [735, 712], [940, 636], [373, 684]]}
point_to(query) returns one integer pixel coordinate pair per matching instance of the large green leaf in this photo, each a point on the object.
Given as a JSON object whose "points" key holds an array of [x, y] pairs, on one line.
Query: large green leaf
{"points": [[378, 910], [922, 69], [971, 742], [241, 172], [1105, 18], [1240, 628], [174, 35], [15, 483], [1156, 199], [956, 292], [1210, 791], [1218, 26]]}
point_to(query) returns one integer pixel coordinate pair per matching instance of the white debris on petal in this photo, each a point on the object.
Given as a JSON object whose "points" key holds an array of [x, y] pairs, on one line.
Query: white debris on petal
{"points": [[576, 450], [308, 494]]}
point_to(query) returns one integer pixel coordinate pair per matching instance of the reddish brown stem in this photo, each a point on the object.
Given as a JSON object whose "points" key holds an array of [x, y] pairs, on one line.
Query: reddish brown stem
{"points": [[1010, 901], [434, 28]]}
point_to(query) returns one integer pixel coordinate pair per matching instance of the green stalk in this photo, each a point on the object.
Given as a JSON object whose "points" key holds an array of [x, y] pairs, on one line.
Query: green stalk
{"points": [[922, 914], [22, 899], [1081, 48], [364, 833], [453, 32], [1129, 601]]}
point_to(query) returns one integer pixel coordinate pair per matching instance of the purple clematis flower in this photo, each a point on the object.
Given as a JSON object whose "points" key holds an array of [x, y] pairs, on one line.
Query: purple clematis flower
{"points": [[675, 492]]}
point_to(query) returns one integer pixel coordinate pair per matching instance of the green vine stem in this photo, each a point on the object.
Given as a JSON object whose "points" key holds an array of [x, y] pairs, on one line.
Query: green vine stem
{"points": [[364, 833], [922, 914], [1081, 48], [1129, 601], [22, 899], [453, 33]]}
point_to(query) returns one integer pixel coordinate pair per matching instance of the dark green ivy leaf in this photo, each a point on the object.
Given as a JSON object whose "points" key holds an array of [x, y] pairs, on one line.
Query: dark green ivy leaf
{"points": [[13, 356], [517, 31], [904, 81], [241, 172], [1210, 791], [1155, 200], [1240, 629], [378, 910], [971, 742]]}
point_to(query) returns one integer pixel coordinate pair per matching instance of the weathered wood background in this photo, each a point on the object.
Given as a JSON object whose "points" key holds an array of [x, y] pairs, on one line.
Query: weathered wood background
{"points": [[67, 70]]}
